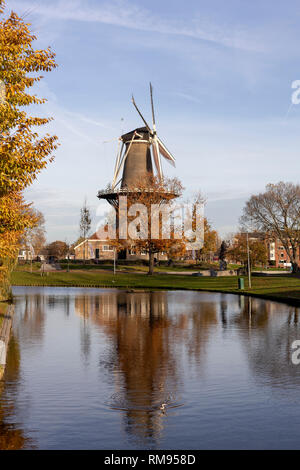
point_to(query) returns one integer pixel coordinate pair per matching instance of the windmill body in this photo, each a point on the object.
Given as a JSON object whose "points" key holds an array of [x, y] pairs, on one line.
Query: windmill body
{"points": [[138, 164]]}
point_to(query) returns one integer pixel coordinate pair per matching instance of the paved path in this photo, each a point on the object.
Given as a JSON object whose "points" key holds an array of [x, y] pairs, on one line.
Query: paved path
{"points": [[46, 267], [272, 272]]}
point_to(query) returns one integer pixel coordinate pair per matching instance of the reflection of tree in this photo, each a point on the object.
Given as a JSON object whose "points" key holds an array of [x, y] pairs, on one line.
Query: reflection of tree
{"points": [[223, 310], [194, 329], [267, 331], [11, 436], [32, 314], [144, 349], [85, 338], [53, 302], [31, 317]]}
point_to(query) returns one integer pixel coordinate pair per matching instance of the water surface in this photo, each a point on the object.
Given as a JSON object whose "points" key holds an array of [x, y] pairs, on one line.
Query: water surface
{"points": [[106, 369]]}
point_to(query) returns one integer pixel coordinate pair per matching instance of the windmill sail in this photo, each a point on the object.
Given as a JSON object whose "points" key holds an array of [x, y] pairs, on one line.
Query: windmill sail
{"points": [[156, 157], [152, 108], [139, 151], [134, 156], [142, 117], [165, 152], [117, 164]]}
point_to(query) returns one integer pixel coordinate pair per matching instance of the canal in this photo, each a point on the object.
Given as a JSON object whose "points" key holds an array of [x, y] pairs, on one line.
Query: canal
{"points": [[109, 369]]}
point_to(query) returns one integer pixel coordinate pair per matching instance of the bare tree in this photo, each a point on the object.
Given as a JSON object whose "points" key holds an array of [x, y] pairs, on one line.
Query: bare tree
{"points": [[85, 224], [34, 237], [58, 249], [277, 213]]}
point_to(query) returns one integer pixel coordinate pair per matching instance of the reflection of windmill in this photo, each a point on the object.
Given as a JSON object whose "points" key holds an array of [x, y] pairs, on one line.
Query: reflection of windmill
{"points": [[141, 355], [133, 165]]}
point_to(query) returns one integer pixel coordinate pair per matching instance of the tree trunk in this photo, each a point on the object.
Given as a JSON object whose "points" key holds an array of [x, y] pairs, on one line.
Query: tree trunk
{"points": [[295, 267], [151, 262], [294, 259], [84, 248]]}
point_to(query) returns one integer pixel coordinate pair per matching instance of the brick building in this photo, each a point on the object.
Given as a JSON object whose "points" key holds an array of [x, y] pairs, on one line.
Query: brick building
{"points": [[94, 248], [277, 255]]}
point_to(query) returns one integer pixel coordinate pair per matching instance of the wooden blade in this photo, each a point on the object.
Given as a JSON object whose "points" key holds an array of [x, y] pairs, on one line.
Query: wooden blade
{"points": [[165, 152], [120, 168], [152, 107], [117, 165], [156, 157], [144, 120]]}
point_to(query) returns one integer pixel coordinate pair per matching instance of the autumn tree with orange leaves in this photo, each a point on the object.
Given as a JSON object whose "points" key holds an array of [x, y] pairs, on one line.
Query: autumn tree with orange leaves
{"points": [[210, 236], [211, 243], [24, 152], [141, 199]]}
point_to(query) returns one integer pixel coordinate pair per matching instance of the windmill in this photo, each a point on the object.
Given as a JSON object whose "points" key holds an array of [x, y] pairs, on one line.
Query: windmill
{"points": [[145, 138], [139, 151]]}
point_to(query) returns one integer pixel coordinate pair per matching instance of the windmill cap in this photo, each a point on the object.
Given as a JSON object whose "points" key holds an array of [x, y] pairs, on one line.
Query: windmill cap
{"points": [[143, 131]]}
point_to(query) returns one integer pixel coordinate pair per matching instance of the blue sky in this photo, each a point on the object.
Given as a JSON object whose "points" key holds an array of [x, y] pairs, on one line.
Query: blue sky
{"points": [[222, 75]]}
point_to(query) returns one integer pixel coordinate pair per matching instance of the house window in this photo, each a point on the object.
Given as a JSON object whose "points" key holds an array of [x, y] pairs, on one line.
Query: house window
{"points": [[107, 248]]}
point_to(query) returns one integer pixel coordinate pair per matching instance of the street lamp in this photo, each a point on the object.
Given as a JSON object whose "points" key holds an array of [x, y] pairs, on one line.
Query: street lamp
{"points": [[248, 259], [114, 260]]}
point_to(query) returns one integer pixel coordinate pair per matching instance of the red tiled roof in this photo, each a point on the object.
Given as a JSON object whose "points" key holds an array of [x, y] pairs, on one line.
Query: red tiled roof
{"points": [[94, 236]]}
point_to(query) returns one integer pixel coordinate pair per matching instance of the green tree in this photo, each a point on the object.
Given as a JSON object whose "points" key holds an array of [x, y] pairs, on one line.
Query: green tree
{"points": [[257, 250]]}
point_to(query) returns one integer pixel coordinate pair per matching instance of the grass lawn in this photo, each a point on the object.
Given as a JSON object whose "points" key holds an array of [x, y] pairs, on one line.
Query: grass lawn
{"points": [[159, 269], [282, 288], [131, 267], [27, 267]]}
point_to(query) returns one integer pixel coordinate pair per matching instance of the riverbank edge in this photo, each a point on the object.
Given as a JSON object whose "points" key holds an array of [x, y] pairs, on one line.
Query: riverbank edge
{"points": [[275, 298], [5, 331]]}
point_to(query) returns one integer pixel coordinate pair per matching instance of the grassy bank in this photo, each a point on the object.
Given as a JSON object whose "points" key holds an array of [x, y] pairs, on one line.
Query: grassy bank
{"points": [[3, 310], [277, 288], [135, 267]]}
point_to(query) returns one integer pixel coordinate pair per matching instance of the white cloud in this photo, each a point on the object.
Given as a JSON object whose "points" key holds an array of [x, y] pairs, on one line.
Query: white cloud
{"points": [[69, 120], [128, 15]]}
